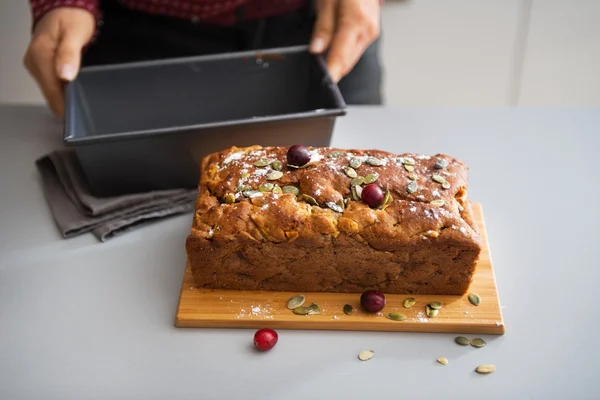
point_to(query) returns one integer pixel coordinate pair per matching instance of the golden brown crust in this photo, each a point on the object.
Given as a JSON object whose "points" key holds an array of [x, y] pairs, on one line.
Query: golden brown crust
{"points": [[278, 241]]}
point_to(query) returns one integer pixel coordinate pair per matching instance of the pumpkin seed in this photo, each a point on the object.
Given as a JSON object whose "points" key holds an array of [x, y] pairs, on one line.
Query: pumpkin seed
{"points": [[412, 187], [408, 303], [412, 176], [359, 180], [407, 161], [478, 342], [396, 316], [437, 203], [261, 163], [370, 178], [355, 163], [376, 162], [273, 176], [346, 202], [309, 199], [301, 310], [341, 203], [358, 190], [335, 154], [277, 189], [431, 312], [277, 165], [252, 193], [291, 189], [295, 302], [366, 355], [245, 175], [409, 168], [314, 309], [436, 305], [485, 369], [446, 185], [243, 188], [463, 341], [438, 178], [350, 172], [474, 299], [387, 199], [442, 360], [348, 309], [229, 198], [266, 187], [355, 196], [441, 164], [335, 207]]}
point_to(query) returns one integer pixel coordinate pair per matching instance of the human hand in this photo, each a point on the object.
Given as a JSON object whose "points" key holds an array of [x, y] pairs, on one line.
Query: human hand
{"points": [[54, 52], [346, 28]]}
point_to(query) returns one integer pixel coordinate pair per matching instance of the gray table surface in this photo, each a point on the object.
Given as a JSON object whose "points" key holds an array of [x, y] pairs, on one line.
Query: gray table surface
{"points": [[81, 319]]}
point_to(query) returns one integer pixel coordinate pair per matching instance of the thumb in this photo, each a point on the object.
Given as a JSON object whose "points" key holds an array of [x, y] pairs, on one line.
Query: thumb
{"points": [[68, 54], [324, 26]]}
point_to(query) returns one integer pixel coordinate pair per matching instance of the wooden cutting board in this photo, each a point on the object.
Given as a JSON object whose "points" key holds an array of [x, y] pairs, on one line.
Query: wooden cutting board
{"points": [[208, 308]]}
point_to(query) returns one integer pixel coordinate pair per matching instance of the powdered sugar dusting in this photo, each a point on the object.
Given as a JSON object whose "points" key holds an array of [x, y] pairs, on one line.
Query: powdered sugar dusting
{"points": [[435, 193], [233, 156], [413, 209]]}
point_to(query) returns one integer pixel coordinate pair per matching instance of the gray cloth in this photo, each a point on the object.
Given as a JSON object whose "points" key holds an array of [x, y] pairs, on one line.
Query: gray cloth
{"points": [[77, 211]]}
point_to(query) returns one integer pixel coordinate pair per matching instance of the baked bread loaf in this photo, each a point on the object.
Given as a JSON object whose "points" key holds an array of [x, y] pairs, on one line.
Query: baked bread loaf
{"points": [[261, 224]]}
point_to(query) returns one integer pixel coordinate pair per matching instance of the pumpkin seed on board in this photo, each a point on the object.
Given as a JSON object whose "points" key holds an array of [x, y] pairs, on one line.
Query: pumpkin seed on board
{"points": [[277, 165], [291, 189], [348, 309], [370, 178], [437, 203], [474, 299], [366, 355], [442, 360], [359, 180], [446, 185], [409, 168], [412, 187], [335, 207], [266, 187], [478, 342], [438, 178], [431, 312], [485, 369], [335, 154], [350, 172], [355, 163], [261, 163], [273, 176], [277, 189], [436, 305], [374, 161], [408, 303], [314, 309], [441, 164], [229, 198], [295, 302], [309, 199], [396, 316], [463, 341], [301, 310]]}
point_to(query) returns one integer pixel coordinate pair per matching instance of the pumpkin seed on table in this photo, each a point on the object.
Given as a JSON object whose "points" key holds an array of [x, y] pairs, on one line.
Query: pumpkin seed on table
{"points": [[374, 161], [463, 341], [442, 360], [437, 203], [350, 172], [478, 342], [273, 176], [408, 303], [355, 163], [396, 316], [348, 309], [277, 165], [431, 312], [436, 305], [295, 302], [446, 185], [261, 163], [335, 207], [291, 189], [229, 198], [409, 168], [485, 369], [309, 199], [474, 299], [370, 178], [411, 187], [366, 355], [266, 187], [441, 164], [359, 180], [438, 178]]}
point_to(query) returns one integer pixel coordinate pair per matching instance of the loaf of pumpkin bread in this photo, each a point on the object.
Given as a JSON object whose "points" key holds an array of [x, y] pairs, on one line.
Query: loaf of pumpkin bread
{"points": [[345, 221]]}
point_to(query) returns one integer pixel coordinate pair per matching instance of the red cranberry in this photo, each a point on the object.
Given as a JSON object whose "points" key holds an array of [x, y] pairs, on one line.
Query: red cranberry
{"points": [[372, 195], [265, 339], [372, 300], [298, 155]]}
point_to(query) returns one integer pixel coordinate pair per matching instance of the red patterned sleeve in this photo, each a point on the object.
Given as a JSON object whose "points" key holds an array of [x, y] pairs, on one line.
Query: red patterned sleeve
{"points": [[39, 8]]}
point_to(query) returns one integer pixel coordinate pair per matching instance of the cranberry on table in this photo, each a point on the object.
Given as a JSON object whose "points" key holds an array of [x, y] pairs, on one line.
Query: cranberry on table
{"points": [[372, 300], [265, 339], [298, 155], [372, 195]]}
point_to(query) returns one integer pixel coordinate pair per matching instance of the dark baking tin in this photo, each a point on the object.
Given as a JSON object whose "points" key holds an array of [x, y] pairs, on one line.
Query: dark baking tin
{"points": [[147, 125]]}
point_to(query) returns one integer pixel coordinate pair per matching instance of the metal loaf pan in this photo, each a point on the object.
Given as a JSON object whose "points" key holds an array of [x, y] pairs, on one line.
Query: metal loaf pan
{"points": [[146, 126]]}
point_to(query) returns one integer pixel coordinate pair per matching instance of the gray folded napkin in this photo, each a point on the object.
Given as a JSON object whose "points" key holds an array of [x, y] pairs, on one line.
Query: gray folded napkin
{"points": [[77, 211]]}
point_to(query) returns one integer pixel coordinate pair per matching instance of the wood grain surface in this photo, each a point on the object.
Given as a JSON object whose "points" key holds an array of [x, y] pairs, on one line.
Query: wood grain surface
{"points": [[208, 308]]}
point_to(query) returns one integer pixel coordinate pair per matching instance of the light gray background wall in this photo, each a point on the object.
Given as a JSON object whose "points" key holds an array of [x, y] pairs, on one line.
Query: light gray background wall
{"points": [[436, 52]]}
